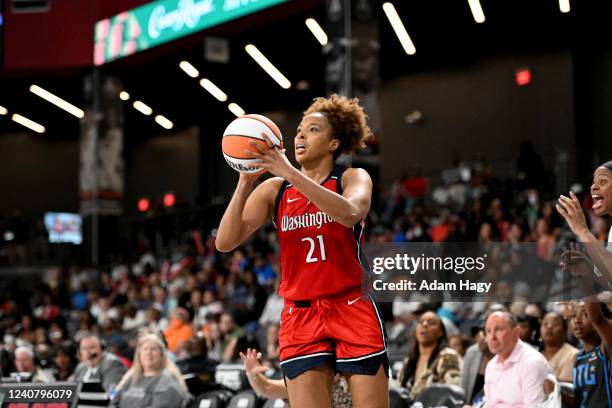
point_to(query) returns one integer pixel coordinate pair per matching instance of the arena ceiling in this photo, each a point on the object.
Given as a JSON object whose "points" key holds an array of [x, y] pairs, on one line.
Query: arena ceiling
{"points": [[443, 31]]}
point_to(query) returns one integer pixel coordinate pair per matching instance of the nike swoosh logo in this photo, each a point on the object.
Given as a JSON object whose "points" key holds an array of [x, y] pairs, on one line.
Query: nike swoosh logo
{"points": [[350, 302], [289, 200]]}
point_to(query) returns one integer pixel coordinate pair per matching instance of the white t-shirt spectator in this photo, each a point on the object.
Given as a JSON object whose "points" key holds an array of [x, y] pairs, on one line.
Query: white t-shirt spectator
{"points": [[206, 311], [272, 310]]}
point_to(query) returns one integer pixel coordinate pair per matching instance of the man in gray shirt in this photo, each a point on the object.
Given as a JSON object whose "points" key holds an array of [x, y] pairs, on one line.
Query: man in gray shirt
{"points": [[98, 371]]}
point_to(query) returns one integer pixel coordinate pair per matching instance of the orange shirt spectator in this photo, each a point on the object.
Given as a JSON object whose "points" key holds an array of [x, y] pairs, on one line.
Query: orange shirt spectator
{"points": [[179, 330]]}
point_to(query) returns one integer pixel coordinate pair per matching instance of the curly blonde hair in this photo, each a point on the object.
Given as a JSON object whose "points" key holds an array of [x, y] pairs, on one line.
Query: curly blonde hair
{"points": [[348, 121]]}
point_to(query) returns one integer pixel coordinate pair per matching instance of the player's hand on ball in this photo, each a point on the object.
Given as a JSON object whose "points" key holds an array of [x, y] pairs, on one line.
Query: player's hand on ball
{"points": [[571, 210], [249, 177], [272, 159]]}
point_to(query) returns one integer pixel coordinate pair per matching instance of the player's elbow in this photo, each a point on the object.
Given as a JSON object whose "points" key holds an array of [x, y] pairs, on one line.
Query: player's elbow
{"points": [[223, 245], [350, 219]]}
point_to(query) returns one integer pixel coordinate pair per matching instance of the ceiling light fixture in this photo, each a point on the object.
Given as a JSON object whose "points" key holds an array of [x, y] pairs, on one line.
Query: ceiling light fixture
{"points": [[235, 109], [267, 66], [143, 108], [57, 101], [317, 31], [399, 28], [30, 124], [213, 90]]}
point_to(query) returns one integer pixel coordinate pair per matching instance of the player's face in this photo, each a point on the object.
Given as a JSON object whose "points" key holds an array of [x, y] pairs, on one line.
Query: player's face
{"points": [[314, 138], [601, 191]]}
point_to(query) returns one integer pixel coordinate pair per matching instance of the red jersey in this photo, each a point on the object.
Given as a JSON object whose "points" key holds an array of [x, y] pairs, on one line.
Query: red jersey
{"points": [[319, 256]]}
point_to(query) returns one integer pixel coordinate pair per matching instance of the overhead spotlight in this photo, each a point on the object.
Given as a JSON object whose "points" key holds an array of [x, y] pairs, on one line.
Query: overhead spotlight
{"points": [[267, 66], [235, 109], [399, 28], [57, 101], [189, 69], [143, 108], [317, 31], [3, 110], [564, 6], [477, 12], [30, 124], [124, 96], [164, 122], [213, 90]]}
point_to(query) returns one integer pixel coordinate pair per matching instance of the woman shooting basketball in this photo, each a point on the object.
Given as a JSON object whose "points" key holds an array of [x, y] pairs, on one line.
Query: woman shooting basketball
{"points": [[328, 323]]}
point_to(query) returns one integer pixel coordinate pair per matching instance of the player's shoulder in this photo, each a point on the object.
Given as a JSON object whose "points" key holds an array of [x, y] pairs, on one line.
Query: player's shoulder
{"points": [[355, 171], [273, 183], [270, 187], [355, 174]]}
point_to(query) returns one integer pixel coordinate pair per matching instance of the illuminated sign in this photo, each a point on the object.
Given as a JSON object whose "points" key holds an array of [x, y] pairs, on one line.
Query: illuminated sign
{"points": [[161, 21]]}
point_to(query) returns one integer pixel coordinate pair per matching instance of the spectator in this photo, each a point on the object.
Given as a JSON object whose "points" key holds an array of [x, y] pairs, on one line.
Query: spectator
{"points": [[27, 332], [459, 343], [273, 308], [64, 361], [48, 311], [529, 327], [265, 274], [429, 361], [212, 335], [230, 334], [210, 307], [560, 354], [272, 352], [96, 364], [154, 321], [196, 360], [24, 363], [591, 370], [516, 366], [475, 363], [179, 330], [42, 353], [56, 334], [153, 381], [134, 317], [40, 336]]}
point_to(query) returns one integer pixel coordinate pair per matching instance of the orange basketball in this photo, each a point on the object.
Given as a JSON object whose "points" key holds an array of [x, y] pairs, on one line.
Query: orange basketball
{"points": [[240, 133]]}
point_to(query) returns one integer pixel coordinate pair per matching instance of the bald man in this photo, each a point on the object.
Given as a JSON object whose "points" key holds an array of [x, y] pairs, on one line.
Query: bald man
{"points": [[515, 376]]}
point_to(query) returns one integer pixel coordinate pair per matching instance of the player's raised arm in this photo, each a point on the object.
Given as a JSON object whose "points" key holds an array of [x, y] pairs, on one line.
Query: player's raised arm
{"points": [[247, 211], [348, 208]]}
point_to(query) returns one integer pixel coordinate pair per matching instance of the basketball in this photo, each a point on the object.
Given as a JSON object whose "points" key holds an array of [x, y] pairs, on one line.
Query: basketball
{"points": [[237, 138]]}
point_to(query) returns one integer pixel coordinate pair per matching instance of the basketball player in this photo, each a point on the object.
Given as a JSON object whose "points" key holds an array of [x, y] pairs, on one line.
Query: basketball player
{"points": [[592, 378], [571, 210], [327, 324]]}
